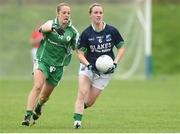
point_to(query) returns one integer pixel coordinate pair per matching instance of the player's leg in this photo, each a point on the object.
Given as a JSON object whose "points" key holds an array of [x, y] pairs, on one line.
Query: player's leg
{"points": [[33, 95], [91, 96], [84, 87], [98, 84], [43, 97], [50, 83]]}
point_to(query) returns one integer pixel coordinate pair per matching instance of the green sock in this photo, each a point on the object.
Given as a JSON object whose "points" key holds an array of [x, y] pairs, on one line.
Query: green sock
{"points": [[77, 117], [39, 104], [38, 107], [29, 112]]}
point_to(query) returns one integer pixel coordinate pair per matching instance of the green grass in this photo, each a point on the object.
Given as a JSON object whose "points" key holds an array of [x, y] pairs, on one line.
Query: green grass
{"points": [[124, 106]]}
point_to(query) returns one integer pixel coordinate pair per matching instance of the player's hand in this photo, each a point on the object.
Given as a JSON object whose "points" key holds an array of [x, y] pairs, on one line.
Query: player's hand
{"points": [[111, 70], [59, 30], [90, 67]]}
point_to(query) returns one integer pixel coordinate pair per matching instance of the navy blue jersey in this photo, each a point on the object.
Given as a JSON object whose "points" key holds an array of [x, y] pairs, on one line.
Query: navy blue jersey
{"points": [[95, 44]]}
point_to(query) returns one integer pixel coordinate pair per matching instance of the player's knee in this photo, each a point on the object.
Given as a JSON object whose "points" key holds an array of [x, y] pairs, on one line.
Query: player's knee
{"points": [[88, 104], [37, 87], [85, 106], [43, 99]]}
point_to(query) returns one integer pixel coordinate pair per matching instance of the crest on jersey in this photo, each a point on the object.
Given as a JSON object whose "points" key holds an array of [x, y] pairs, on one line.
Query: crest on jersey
{"points": [[68, 38], [108, 37]]}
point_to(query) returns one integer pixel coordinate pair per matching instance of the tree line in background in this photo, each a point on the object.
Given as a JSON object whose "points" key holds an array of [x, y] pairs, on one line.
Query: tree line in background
{"points": [[21, 2]]}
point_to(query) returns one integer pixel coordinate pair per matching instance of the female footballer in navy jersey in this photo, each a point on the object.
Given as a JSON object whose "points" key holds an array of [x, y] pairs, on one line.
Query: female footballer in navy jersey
{"points": [[97, 39]]}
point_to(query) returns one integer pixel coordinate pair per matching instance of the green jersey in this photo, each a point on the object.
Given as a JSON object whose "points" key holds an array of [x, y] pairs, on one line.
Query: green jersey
{"points": [[55, 49]]}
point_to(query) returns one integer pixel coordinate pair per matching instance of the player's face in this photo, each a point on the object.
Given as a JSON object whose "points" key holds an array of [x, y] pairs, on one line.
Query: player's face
{"points": [[97, 15], [64, 15]]}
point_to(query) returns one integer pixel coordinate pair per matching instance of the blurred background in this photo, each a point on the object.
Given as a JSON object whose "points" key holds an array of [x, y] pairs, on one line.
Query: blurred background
{"points": [[18, 18]]}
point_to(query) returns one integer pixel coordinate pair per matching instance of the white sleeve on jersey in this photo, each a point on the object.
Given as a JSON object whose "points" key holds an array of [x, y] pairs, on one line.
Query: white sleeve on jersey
{"points": [[46, 27]]}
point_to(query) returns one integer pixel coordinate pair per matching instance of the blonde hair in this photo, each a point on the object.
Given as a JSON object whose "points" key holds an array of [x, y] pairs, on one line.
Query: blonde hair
{"points": [[61, 5], [93, 5]]}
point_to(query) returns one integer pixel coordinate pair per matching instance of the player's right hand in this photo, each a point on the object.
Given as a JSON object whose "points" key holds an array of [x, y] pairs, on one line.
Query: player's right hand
{"points": [[59, 30], [93, 69], [90, 67]]}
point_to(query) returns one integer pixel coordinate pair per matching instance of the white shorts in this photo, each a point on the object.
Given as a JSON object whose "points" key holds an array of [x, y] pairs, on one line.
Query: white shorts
{"points": [[33, 52], [99, 82]]}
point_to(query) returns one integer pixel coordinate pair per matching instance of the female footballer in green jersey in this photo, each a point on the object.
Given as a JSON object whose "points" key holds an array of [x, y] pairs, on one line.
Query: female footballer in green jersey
{"points": [[53, 54]]}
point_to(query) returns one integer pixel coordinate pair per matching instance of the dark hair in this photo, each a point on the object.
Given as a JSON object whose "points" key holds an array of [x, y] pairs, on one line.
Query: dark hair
{"points": [[61, 5], [93, 5]]}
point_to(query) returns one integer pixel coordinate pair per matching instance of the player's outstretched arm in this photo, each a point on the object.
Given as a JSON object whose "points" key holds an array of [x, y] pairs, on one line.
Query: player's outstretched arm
{"points": [[46, 27], [82, 58], [119, 55]]}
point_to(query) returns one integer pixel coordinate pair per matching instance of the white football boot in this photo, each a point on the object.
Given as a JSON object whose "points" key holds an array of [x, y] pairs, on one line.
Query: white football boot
{"points": [[77, 124]]}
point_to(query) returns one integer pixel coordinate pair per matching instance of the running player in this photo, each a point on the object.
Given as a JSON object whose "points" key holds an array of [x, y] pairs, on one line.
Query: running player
{"points": [[53, 54], [97, 39]]}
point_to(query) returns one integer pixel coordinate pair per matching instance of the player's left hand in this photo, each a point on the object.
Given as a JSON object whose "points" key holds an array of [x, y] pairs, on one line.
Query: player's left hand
{"points": [[111, 70]]}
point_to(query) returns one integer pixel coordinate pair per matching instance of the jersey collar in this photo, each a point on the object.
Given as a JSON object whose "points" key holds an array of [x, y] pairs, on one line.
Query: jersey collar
{"points": [[104, 25]]}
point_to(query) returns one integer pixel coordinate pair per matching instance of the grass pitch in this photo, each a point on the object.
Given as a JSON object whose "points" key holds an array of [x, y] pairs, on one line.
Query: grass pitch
{"points": [[124, 106]]}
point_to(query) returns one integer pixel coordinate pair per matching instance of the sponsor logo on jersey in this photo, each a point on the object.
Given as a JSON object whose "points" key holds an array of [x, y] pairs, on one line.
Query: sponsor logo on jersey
{"points": [[60, 37], [103, 47], [52, 42], [91, 39], [99, 37]]}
